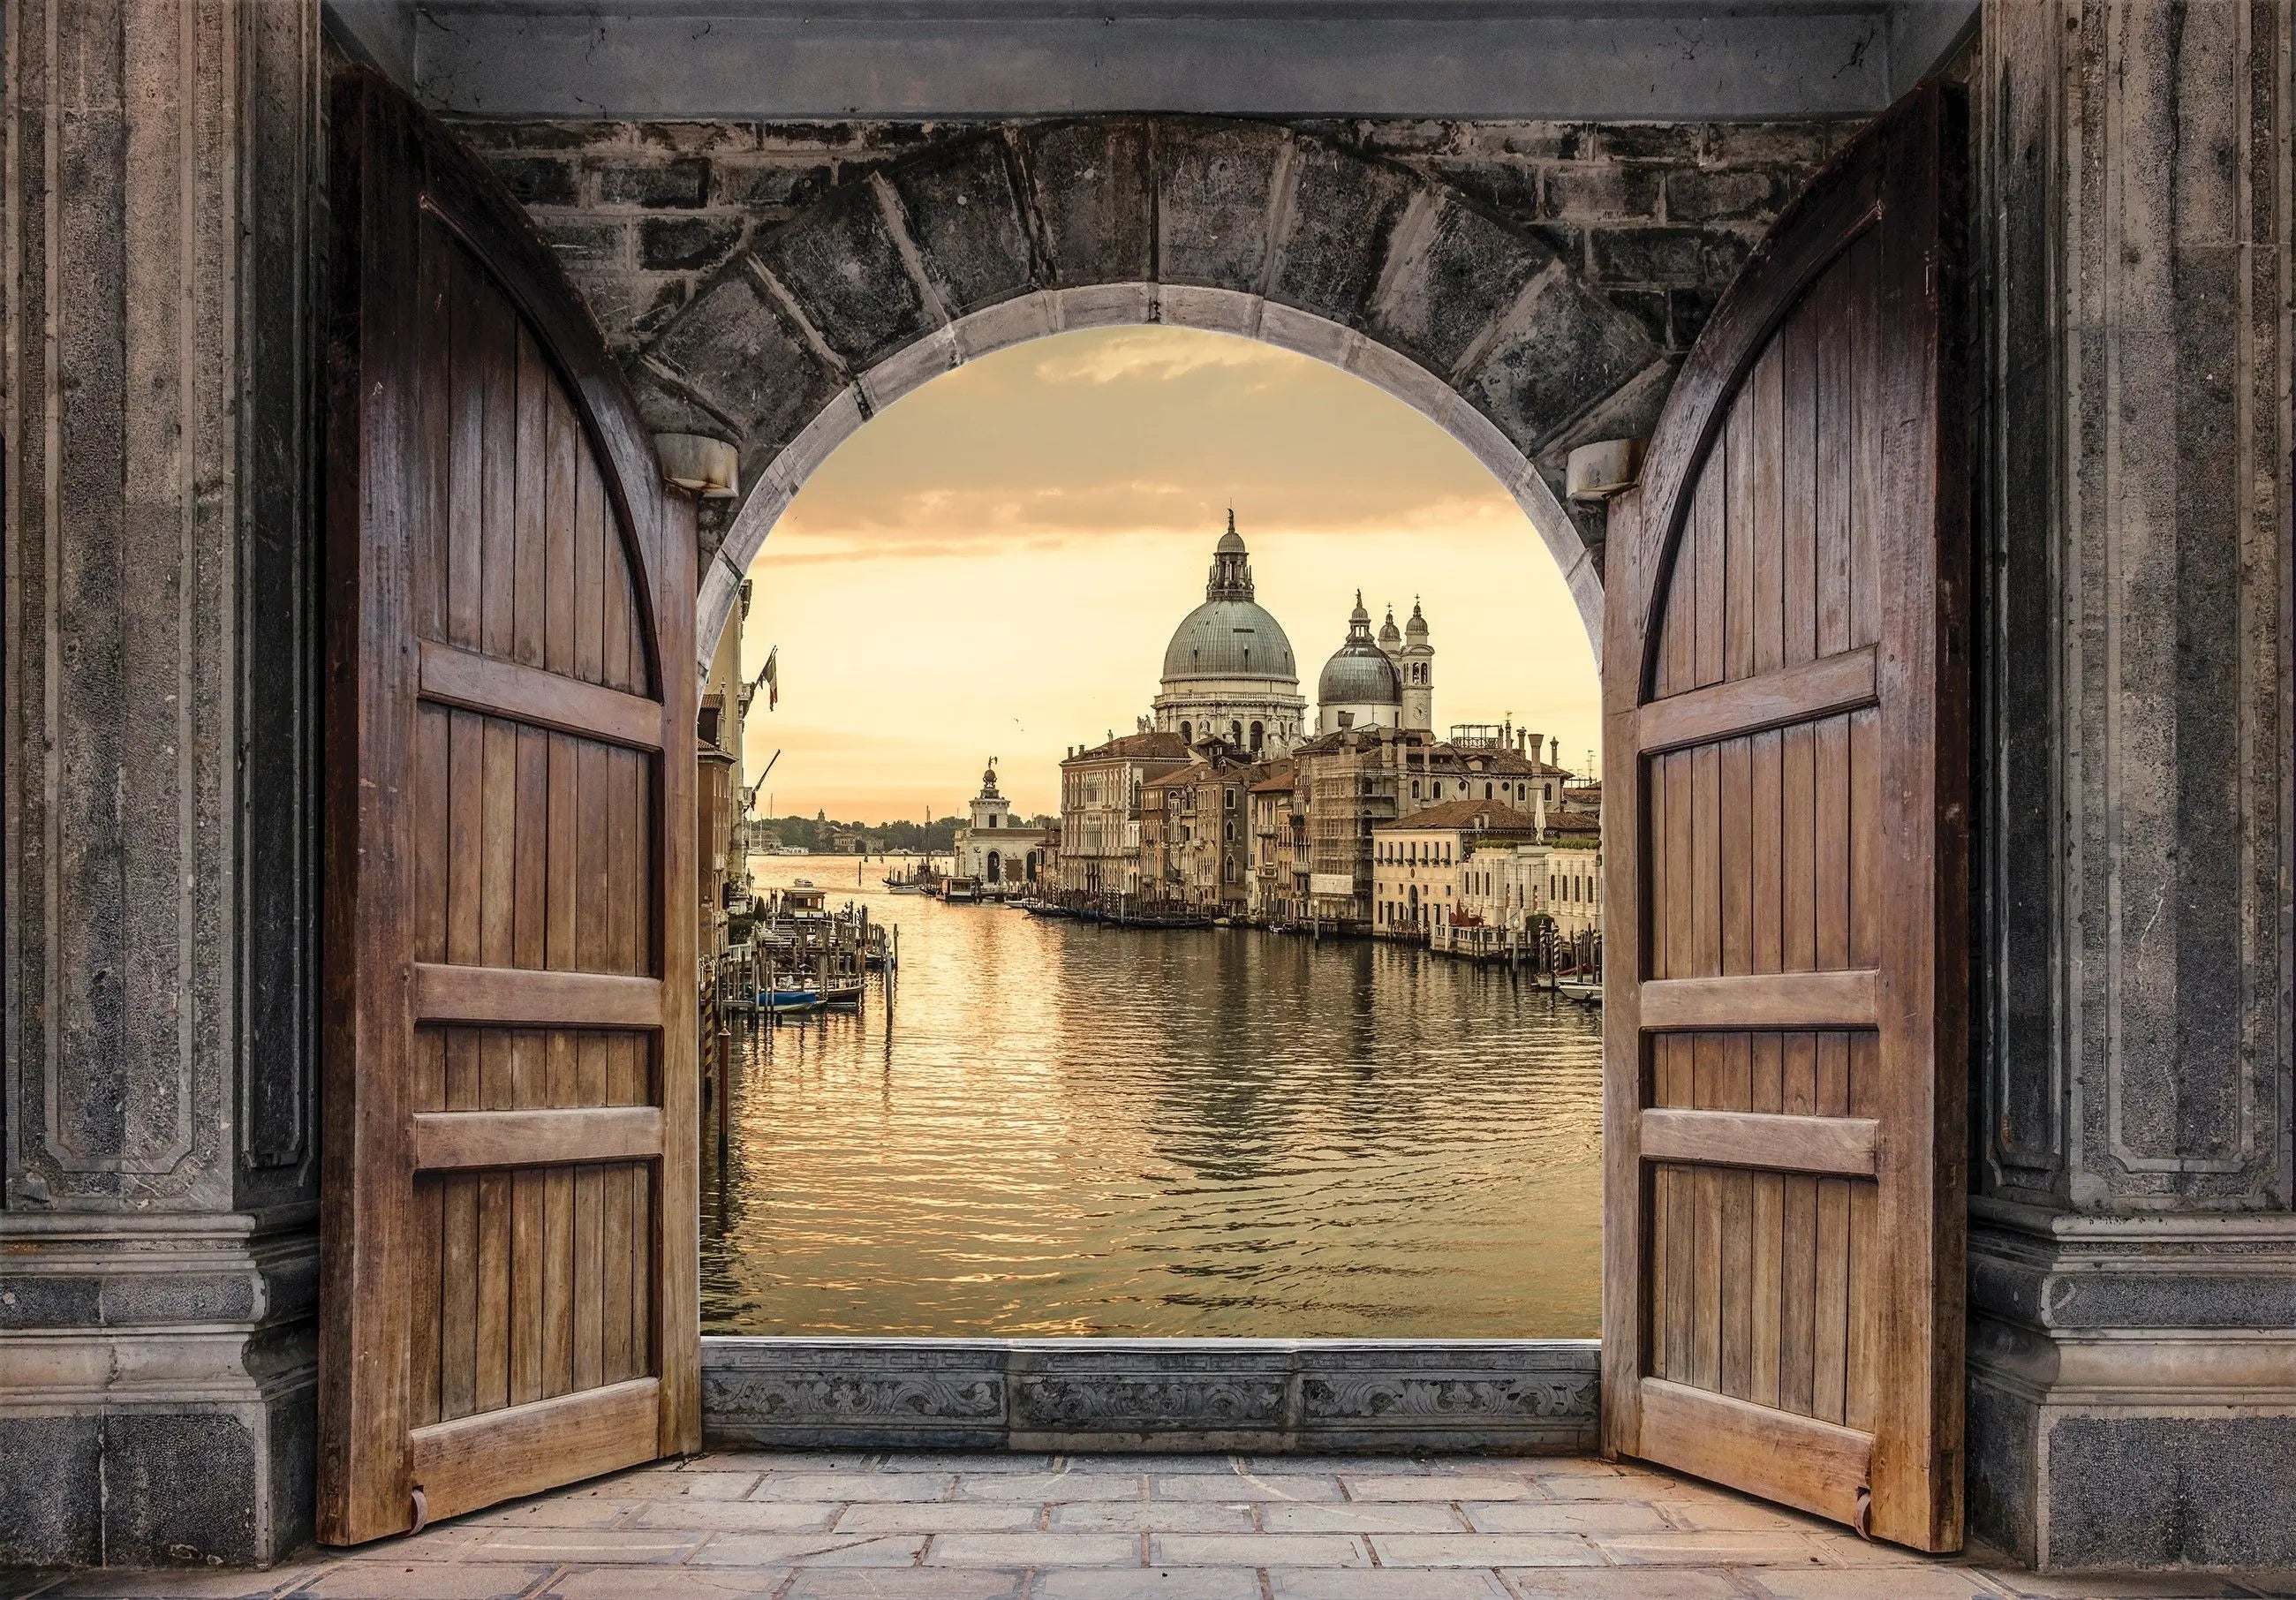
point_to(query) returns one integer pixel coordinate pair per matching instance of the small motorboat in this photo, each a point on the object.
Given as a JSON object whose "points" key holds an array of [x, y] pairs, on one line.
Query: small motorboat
{"points": [[779, 1000], [1580, 991]]}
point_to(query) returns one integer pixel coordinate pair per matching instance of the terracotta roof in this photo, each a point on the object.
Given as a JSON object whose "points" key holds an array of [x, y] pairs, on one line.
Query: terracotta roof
{"points": [[1283, 776], [1471, 816], [1153, 746]]}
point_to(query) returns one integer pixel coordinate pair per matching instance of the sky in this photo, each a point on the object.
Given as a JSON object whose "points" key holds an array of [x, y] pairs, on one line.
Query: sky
{"points": [[993, 565]]}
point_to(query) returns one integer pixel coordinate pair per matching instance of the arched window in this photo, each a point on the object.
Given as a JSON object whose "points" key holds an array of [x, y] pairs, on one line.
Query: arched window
{"points": [[1235, 733], [1415, 789], [1187, 734], [1486, 791], [1257, 732]]}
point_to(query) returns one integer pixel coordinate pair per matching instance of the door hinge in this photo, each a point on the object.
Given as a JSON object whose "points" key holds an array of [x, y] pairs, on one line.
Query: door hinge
{"points": [[421, 1511], [1863, 1519]]}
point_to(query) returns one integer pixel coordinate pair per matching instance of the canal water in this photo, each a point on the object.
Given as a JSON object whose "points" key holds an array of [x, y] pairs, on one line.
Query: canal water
{"points": [[1054, 1127]]}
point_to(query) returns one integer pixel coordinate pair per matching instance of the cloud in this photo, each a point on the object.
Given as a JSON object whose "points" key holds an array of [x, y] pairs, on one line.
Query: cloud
{"points": [[1151, 353]]}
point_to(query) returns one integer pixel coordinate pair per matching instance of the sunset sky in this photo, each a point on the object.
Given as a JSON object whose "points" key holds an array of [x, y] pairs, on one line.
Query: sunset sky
{"points": [[993, 565]]}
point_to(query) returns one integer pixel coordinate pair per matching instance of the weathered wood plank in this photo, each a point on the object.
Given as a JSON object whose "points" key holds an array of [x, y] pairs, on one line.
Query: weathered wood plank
{"points": [[463, 1465], [1841, 1145], [443, 1140], [527, 694], [508, 995], [1803, 692]]}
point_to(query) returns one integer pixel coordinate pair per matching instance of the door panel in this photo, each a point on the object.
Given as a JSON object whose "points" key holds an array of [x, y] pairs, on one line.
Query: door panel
{"points": [[1786, 715], [508, 1294]]}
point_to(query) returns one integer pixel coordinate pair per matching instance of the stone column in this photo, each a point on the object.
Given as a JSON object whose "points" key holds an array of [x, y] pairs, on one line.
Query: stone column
{"points": [[2133, 1253], [157, 1252]]}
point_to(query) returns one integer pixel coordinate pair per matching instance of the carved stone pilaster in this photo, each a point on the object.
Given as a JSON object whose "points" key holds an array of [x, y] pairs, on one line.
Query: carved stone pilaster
{"points": [[156, 1315], [2133, 1160]]}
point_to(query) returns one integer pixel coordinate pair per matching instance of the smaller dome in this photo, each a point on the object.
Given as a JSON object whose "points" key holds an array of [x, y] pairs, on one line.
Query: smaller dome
{"points": [[1417, 626], [1359, 673], [1230, 543], [1388, 638]]}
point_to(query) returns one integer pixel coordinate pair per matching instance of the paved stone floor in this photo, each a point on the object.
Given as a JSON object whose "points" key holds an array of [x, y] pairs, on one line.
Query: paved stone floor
{"points": [[852, 1526]]}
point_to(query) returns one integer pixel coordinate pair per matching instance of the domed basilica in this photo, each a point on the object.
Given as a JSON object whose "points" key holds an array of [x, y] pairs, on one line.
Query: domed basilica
{"points": [[1229, 672]]}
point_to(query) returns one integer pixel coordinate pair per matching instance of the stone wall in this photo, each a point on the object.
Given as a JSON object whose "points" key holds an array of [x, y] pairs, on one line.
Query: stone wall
{"points": [[2133, 1254], [156, 1331], [1659, 216]]}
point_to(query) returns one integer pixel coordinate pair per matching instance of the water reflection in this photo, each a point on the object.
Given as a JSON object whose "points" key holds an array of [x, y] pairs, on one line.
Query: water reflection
{"points": [[1060, 1129]]}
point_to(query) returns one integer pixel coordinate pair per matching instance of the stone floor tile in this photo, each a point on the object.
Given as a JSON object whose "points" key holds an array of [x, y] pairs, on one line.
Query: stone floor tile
{"points": [[1710, 1549], [1444, 1486], [1592, 1485], [442, 1543], [738, 1516], [809, 1550], [1371, 1583], [1722, 1514], [554, 1511], [940, 1516], [600, 1546], [194, 1582], [1875, 1583], [1621, 1583], [1042, 1489], [1165, 1462], [854, 1486], [663, 1483], [1361, 1516], [423, 1580], [1562, 1516], [968, 1461], [1397, 1465], [1146, 1583], [906, 1583], [1152, 1516], [1256, 1550], [1484, 1550], [1238, 1487], [1033, 1550], [2098, 1586], [667, 1583], [742, 1459]]}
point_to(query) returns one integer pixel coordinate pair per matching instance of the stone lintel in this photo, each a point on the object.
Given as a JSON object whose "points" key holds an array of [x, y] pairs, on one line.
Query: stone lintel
{"points": [[1269, 1395]]}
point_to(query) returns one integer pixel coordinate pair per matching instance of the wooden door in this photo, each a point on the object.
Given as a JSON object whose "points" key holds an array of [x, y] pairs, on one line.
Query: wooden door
{"points": [[508, 1297], [1786, 818]]}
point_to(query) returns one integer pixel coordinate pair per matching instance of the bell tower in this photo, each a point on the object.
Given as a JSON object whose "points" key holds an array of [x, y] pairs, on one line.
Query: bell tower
{"points": [[1415, 665]]}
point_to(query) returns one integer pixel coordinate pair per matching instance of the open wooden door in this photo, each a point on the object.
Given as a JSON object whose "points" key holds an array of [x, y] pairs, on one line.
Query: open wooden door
{"points": [[508, 1200], [1785, 812]]}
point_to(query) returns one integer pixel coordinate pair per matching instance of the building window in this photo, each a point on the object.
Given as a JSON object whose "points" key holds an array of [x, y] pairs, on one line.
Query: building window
{"points": [[1415, 789], [1187, 734], [1257, 732]]}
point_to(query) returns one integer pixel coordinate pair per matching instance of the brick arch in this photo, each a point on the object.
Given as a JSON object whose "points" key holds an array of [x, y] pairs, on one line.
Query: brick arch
{"points": [[1247, 228]]}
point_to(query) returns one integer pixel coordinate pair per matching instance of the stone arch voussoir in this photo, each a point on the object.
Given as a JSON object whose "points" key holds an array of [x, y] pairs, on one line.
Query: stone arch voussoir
{"points": [[1250, 228]]}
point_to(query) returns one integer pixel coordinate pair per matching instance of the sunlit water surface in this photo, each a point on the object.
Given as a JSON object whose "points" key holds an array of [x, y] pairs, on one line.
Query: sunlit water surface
{"points": [[1058, 1128]]}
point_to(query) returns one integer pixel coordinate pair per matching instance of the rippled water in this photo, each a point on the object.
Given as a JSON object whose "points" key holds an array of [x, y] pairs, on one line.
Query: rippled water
{"points": [[1055, 1128]]}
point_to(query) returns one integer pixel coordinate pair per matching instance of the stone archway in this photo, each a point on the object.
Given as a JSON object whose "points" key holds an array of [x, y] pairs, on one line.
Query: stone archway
{"points": [[1247, 228]]}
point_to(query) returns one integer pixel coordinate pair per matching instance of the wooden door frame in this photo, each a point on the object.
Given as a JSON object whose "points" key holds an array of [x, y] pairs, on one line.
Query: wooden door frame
{"points": [[390, 166], [1899, 176]]}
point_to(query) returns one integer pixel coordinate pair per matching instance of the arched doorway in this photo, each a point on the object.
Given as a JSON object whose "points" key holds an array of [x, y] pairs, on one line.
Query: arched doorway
{"points": [[1238, 227]]}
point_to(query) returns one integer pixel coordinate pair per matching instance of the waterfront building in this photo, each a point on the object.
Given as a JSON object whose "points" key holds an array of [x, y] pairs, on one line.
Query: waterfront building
{"points": [[1416, 861], [1279, 846], [1195, 837], [1229, 672], [721, 795], [1100, 809], [1574, 872], [989, 850]]}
